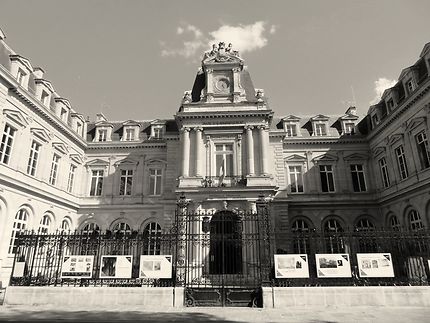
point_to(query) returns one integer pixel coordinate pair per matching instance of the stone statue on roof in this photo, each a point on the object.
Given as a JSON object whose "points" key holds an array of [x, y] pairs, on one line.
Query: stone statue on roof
{"points": [[220, 54]]}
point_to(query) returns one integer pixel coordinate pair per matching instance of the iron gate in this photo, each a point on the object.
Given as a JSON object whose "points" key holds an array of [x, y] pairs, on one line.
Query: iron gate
{"points": [[223, 258]]}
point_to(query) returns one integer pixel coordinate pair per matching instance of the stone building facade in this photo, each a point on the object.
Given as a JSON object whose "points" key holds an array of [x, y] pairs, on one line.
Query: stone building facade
{"points": [[224, 149]]}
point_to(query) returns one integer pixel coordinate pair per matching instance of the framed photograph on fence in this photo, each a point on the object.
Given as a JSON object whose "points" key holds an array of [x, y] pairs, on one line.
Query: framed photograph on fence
{"points": [[156, 266], [116, 266], [334, 265], [375, 265], [291, 266], [77, 266]]}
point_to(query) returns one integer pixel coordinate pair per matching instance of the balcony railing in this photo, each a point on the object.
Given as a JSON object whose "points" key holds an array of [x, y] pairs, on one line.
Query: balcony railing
{"points": [[223, 181]]}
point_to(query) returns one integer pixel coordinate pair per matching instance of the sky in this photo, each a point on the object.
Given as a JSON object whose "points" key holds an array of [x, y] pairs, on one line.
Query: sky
{"points": [[134, 59]]}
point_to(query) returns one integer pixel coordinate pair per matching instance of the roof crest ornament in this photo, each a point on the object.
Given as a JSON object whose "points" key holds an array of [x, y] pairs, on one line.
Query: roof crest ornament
{"points": [[221, 54]]}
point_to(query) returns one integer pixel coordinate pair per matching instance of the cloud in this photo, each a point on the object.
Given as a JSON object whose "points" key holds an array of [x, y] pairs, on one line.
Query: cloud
{"points": [[245, 38], [380, 86]]}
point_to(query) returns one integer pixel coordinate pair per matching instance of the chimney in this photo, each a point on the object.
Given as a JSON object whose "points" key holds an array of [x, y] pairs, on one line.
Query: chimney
{"points": [[38, 72]]}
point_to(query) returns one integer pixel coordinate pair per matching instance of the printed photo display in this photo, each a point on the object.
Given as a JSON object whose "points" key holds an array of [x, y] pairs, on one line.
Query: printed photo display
{"points": [[333, 265], [77, 266], [291, 266], [375, 265], [116, 266], [156, 266]]}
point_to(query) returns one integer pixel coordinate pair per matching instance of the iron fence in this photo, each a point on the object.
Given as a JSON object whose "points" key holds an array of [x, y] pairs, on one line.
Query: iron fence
{"points": [[410, 253], [42, 256]]}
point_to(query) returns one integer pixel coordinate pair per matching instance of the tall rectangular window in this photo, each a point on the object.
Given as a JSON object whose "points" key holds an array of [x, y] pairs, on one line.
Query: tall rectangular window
{"points": [[54, 169], [71, 179], [102, 135], [401, 162], [129, 134], [358, 181], [384, 172], [349, 128], [224, 159], [410, 86], [158, 134], [44, 98], [296, 179], [34, 156], [20, 77], [327, 178], [423, 149], [320, 129], [64, 115], [126, 182], [291, 130], [6, 144], [155, 178], [96, 183]]}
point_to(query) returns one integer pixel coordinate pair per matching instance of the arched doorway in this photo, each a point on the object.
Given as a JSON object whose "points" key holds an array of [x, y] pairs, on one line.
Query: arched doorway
{"points": [[225, 253]]}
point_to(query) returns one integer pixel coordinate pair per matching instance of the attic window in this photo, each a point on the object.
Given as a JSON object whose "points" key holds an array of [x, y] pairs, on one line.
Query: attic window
{"points": [[130, 134], [375, 119], [410, 86], [349, 128], [44, 98], [20, 77], [291, 130], [63, 115], [102, 135], [320, 129], [79, 128], [157, 132], [390, 104]]}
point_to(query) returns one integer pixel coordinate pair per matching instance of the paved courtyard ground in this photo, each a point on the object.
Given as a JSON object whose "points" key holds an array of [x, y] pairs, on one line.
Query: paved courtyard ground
{"points": [[135, 314]]}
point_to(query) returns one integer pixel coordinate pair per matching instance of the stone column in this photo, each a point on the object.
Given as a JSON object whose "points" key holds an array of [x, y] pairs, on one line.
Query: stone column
{"points": [[264, 150], [185, 152], [250, 150], [199, 152]]}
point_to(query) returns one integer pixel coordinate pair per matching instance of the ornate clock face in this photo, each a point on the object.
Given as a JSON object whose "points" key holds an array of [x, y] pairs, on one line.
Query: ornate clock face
{"points": [[222, 85]]}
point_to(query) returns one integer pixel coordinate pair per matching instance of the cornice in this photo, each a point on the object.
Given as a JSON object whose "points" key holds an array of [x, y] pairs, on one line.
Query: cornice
{"points": [[401, 109], [226, 114], [125, 145]]}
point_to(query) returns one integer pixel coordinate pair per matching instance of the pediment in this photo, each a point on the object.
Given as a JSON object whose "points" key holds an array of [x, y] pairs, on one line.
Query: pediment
{"points": [[356, 156], [127, 162], [64, 101], [77, 158], [97, 162], [155, 161], [320, 117], [22, 60], [291, 118], [16, 116], [415, 122], [348, 117], [62, 148], [46, 84], [394, 138], [102, 123], [378, 150], [325, 158], [157, 122], [295, 158], [40, 133], [131, 123]]}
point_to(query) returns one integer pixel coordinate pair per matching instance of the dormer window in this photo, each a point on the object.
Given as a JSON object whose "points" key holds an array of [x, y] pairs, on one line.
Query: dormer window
{"points": [[130, 134], [157, 132], [390, 104], [102, 135], [349, 128], [375, 120], [44, 98], [320, 129], [79, 128], [291, 129], [21, 76], [63, 115], [410, 86]]}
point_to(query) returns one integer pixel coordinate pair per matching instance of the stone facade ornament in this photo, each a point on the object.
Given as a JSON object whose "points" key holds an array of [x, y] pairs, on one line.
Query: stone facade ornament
{"points": [[259, 94], [187, 97], [221, 54]]}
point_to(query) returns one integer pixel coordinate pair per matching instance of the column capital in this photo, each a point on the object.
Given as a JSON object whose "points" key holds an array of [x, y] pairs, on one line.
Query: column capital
{"points": [[249, 127], [198, 129], [262, 127], [184, 129]]}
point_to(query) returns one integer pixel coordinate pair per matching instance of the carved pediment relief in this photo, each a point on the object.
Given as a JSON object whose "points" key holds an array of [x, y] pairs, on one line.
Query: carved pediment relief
{"points": [[295, 158], [325, 158], [97, 163], [291, 118], [77, 158], [16, 116], [40, 133], [394, 138], [356, 156], [415, 122], [60, 147], [378, 150]]}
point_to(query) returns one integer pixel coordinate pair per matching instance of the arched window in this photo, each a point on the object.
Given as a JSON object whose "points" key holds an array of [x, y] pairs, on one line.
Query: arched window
{"points": [[366, 241], [19, 225], [45, 224], [122, 228], [365, 225], [65, 225], [333, 235], [91, 227], [394, 223], [152, 238], [300, 230], [415, 222]]}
